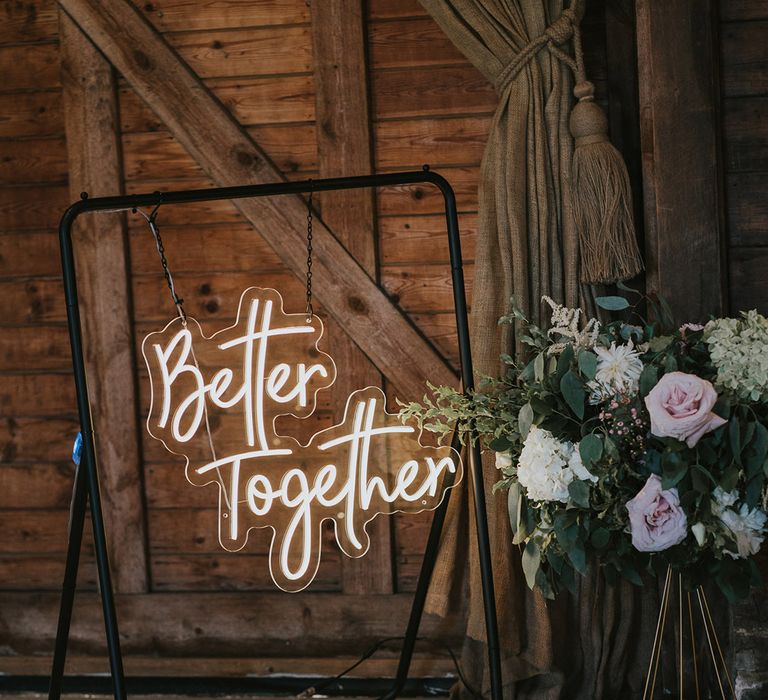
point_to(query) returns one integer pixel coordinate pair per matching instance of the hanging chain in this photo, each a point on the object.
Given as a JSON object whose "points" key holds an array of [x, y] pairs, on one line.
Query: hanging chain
{"points": [[310, 311], [152, 221]]}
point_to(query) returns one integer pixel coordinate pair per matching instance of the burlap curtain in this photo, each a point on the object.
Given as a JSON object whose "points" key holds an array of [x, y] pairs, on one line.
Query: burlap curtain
{"points": [[528, 247]]}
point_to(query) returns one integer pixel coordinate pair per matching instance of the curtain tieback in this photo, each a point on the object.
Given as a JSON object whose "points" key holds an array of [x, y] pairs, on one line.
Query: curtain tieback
{"points": [[556, 34], [602, 205]]}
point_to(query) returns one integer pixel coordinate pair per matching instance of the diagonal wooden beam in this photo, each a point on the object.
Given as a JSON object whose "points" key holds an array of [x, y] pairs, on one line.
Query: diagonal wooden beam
{"points": [[230, 157], [90, 110], [344, 148]]}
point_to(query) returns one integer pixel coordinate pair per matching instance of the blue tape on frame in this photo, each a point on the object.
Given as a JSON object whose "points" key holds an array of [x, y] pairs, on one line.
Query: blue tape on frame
{"points": [[77, 449]]}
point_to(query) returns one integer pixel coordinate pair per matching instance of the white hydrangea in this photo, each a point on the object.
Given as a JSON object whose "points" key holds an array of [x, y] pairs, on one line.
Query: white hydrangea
{"points": [[503, 460], [739, 350], [748, 529], [547, 466], [564, 324]]}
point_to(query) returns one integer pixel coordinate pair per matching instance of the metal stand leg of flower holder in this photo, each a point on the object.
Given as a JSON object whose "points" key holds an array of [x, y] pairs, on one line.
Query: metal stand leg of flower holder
{"points": [[86, 486], [684, 602]]}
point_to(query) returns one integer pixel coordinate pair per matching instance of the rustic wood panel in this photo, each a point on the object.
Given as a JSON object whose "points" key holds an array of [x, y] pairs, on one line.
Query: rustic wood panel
{"points": [[27, 21], [417, 42], [351, 301], [156, 155], [737, 10], [36, 439], [747, 209], [286, 99], [92, 123], [178, 15], [32, 302], [33, 161], [248, 623], [748, 272], [35, 348], [20, 207], [744, 56], [41, 486], [27, 254], [231, 572], [406, 200], [680, 143], [31, 114], [256, 51], [389, 9], [36, 394], [745, 134], [26, 67], [422, 288], [446, 90], [413, 240], [384, 665], [34, 531], [449, 141], [228, 247], [25, 572]]}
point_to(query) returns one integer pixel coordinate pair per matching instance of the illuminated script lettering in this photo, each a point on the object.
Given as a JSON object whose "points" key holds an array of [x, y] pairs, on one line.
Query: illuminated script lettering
{"points": [[215, 401]]}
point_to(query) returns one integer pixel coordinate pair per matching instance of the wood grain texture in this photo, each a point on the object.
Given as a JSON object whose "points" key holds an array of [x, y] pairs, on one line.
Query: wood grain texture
{"points": [[20, 210], [747, 209], [35, 348], [186, 15], [231, 157], [26, 67], [344, 148], [745, 134], [90, 108], [744, 53], [681, 156], [37, 394], [442, 90], [31, 114], [285, 99], [738, 10], [246, 624], [27, 21], [33, 161]]}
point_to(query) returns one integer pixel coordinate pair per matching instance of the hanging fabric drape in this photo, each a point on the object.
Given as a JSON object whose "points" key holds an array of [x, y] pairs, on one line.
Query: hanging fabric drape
{"points": [[528, 246]]}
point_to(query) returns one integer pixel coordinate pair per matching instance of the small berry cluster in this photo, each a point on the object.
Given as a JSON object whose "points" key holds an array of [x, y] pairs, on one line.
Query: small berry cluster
{"points": [[627, 424]]}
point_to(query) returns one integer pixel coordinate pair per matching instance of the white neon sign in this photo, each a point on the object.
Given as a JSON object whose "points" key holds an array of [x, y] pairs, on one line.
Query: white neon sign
{"points": [[215, 400]]}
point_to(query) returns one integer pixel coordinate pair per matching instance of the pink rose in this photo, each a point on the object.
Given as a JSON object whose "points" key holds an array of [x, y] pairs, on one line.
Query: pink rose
{"points": [[681, 407], [655, 517]]}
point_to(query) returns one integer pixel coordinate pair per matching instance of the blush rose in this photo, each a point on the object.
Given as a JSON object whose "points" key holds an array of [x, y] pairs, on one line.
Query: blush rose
{"points": [[680, 406], [656, 519]]}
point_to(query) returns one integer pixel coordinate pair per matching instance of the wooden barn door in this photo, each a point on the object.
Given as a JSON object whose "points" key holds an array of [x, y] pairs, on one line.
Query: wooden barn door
{"points": [[177, 95]]}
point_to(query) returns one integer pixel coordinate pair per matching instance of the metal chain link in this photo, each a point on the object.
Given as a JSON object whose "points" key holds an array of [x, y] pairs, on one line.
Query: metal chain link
{"points": [[310, 311], [152, 221]]}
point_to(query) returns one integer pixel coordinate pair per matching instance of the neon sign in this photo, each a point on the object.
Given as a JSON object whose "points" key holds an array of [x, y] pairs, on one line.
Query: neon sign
{"points": [[215, 401]]}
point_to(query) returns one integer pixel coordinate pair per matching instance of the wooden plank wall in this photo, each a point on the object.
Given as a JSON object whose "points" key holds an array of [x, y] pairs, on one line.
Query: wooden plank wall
{"points": [[744, 71], [427, 105]]}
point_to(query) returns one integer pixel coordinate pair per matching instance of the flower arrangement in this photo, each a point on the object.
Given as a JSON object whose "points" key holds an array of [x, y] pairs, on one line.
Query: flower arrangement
{"points": [[640, 446]]}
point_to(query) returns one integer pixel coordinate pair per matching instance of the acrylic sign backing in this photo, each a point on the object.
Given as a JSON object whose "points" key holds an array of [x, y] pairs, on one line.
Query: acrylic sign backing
{"points": [[215, 401]]}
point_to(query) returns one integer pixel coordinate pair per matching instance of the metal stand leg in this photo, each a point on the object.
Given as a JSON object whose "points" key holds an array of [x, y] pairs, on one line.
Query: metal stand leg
{"points": [[76, 522], [105, 582], [486, 573], [422, 588]]}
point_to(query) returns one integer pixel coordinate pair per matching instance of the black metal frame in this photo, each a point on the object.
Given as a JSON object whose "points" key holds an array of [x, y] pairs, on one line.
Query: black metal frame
{"points": [[86, 485]]}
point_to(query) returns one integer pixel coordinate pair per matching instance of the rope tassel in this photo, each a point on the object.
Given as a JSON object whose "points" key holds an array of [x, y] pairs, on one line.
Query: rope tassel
{"points": [[602, 202]]}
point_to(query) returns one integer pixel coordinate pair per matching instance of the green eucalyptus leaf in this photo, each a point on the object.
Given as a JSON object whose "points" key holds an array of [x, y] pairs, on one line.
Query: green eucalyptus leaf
{"points": [[538, 367], [531, 562], [734, 438], [758, 451], [611, 450], [525, 420], [578, 491], [649, 377], [564, 361], [673, 469], [590, 449], [578, 557], [573, 392], [588, 364], [514, 497], [612, 303]]}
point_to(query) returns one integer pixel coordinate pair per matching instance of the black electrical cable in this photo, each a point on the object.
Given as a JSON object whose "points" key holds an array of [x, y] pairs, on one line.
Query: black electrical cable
{"points": [[314, 690]]}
